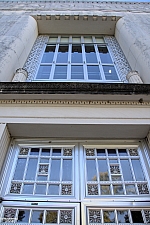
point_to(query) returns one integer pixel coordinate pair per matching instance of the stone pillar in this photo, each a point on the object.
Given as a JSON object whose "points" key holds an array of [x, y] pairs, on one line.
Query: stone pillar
{"points": [[4, 143], [133, 77], [20, 75]]}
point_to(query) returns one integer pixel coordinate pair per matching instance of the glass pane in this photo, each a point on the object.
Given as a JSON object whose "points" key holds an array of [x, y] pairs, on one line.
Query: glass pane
{"points": [[76, 56], [45, 152], [56, 152], [104, 54], [123, 217], [105, 190], [130, 189], [23, 216], [40, 189], [88, 39], [91, 170], [37, 216], [116, 178], [34, 151], [64, 39], [44, 72], [20, 167], [103, 170], [76, 39], [31, 171], [62, 56], [112, 152], [101, 152], [48, 54], [67, 170], [27, 189], [113, 161], [52, 39], [90, 54], [51, 217], [110, 73], [109, 216], [126, 170], [77, 72], [99, 40], [93, 73], [137, 217], [44, 160], [122, 152], [53, 189], [138, 170], [42, 177], [60, 72], [118, 190], [55, 170]]}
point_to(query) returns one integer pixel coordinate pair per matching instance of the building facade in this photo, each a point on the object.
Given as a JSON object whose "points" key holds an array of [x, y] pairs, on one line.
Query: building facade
{"points": [[74, 112]]}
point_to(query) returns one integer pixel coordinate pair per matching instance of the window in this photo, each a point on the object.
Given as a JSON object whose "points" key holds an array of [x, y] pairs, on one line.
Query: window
{"points": [[82, 58], [65, 183]]}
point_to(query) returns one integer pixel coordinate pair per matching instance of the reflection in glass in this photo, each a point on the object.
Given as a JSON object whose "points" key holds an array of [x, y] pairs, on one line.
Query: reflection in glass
{"points": [[122, 152], [105, 190], [118, 190], [77, 72], [104, 54], [137, 217], [23, 216], [53, 189], [91, 170], [45, 152], [55, 170], [130, 189], [60, 72], [103, 170], [42, 178], [31, 171], [109, 216], [101, 152], [51, 216], [37, 216], [67, 170], [93, 73], [40, 189], [138, 170], [56, 152], [27, 189], [20, 167], [76, 56], [126, 170], [90, 54], [62, 56], [44, 72], [116, 178], [48, 54], [123, 217], [112, 152], [110, 73]]}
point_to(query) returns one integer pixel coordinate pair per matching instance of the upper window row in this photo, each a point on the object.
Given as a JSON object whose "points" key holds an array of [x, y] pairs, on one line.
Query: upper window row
{"points": [[76, 58]]}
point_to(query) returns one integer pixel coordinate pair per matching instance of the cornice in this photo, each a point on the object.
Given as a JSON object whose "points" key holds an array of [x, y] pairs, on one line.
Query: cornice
{"points": [[74, 102]]}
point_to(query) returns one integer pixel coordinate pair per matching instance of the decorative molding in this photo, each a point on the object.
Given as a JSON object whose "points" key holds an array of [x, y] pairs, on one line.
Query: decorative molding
{"points": [[33, 61], [134, 77], [74, 102], [20, 75], [120, 61]]}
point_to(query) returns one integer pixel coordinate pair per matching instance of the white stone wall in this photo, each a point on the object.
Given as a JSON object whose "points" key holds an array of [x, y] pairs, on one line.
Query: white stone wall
{"points": [[4, 143], [17, 35]]}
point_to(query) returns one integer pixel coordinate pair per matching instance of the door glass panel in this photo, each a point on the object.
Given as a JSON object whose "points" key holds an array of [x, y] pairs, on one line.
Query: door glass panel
{"points": [[76, 55], [130, 189], [31, 170], [123, 217], [40, 189], [28, 189], [67, 170], [105, 190], [62, 56], [109, 216], [23, 216], [37, 216], [103, 170], [53, 189], [127, 174], [93, 73], [60, 72], [44, 72], [55, 170], [20, 167], [138, 170], [48, 54], [77, 72], [91, 170], [118, 189], [90, 54]]}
